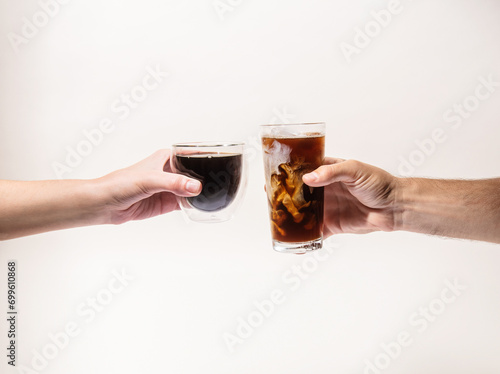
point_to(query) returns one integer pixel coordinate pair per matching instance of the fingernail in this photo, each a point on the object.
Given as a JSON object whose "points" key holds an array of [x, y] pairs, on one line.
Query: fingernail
{"points": [[312, 177], [193, 186]]}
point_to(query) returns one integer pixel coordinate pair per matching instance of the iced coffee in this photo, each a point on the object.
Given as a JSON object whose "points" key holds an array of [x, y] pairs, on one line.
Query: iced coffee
{"points": [[295, 209]]}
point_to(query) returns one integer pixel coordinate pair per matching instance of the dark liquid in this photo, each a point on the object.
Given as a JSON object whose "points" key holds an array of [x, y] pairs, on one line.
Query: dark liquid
{"points": [[220, 175], [296, 210]]}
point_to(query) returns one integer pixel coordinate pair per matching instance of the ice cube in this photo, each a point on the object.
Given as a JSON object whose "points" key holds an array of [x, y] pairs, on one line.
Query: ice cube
{"points": [[277, 154], [284, 132]]}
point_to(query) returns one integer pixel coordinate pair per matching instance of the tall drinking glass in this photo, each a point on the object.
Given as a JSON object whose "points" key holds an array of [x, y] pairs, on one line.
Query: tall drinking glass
{"points": [[295, 209]]}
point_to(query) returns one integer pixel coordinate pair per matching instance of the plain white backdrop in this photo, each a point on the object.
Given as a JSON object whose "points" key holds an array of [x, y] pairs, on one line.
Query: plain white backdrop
{"points": [[231, 67]]}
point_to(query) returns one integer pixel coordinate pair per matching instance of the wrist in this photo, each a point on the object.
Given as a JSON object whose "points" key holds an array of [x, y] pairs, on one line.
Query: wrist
{"points": [[405, 190], [95, 210]]}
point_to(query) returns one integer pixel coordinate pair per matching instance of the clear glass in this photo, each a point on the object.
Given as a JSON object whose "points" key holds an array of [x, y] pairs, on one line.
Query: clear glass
{"points": [[295, 209], [220, 167]]}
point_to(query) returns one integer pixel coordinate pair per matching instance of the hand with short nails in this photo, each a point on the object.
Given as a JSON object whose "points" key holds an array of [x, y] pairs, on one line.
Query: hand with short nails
{"points": [[359, 198], [146, 189], [143, 190]]}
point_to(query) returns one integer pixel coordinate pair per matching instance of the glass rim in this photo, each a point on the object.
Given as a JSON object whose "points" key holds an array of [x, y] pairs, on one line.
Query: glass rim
{"points": [[293, 124], [207, 144]]}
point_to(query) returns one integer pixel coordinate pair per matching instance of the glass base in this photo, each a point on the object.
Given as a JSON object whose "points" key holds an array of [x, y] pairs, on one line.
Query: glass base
{"points": [[194, 215], [191, 214], [298, 248]]}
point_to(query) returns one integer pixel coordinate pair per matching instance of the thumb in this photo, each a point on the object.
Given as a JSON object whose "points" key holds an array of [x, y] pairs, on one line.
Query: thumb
{"points": [[345, 171], [160, 181]]}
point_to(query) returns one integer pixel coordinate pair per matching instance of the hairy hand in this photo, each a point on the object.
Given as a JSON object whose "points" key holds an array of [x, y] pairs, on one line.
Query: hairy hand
{"points": [[359, 198]]}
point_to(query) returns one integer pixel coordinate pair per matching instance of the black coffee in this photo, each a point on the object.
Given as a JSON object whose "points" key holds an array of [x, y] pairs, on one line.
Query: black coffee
{"points": [[220, 175]]}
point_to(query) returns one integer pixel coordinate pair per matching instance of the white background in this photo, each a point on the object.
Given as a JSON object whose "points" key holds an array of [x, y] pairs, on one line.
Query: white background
{"points": [[193, 282]]}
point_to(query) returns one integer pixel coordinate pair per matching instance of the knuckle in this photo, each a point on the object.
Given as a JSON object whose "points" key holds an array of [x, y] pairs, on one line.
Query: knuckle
{"points": [[177, 183], [353, 168], [162, 153], [328, 171], [146, 183], [354, 164]]}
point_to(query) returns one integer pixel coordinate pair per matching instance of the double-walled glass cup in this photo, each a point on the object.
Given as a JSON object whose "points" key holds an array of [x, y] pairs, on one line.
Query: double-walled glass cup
{"points": [[295, 209], [220, 167]]}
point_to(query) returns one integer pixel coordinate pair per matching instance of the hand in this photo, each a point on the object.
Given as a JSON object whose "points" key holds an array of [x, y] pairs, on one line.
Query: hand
{"points": [[145, 189], [359, 198]]}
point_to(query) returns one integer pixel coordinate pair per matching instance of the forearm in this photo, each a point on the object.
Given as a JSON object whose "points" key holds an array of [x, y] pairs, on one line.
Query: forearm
{"points": [[28, 208], [452, 208]]}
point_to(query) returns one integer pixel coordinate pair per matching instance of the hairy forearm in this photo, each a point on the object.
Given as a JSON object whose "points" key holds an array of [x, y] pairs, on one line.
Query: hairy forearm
{"points": [[452, 208], [28, 208]]}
